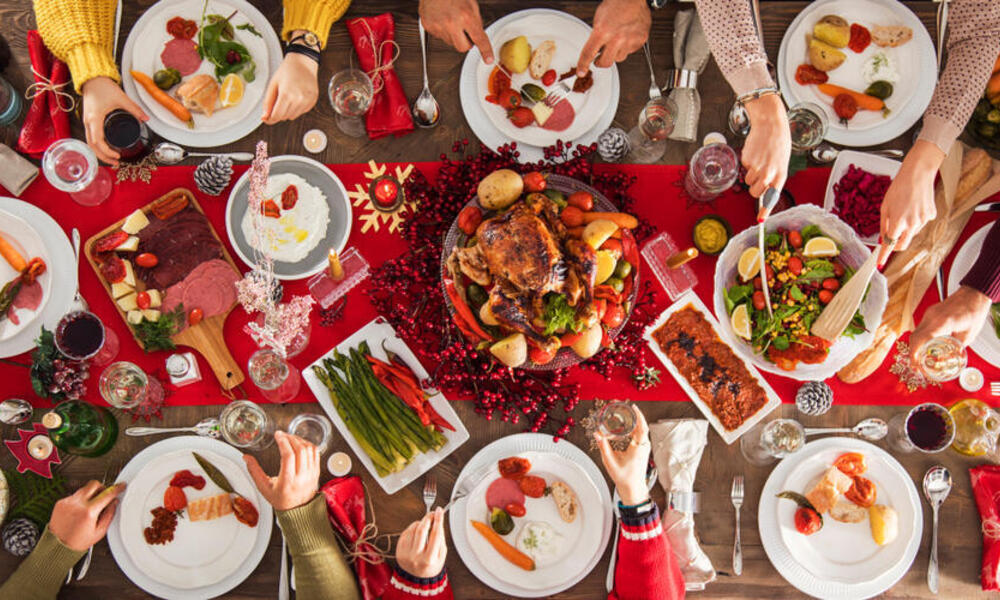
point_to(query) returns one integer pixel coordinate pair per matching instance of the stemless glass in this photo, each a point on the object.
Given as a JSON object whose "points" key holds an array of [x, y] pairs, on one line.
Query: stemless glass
{"points": [[351, 94], [11, 103], [942, 358], [244, 424], [927, 427], [713, 169], [315, 429], [124, 385], [276, 378], [127, 135], [648, 139], [71, 166], [766, 443], [617, 419], [808, 124]]}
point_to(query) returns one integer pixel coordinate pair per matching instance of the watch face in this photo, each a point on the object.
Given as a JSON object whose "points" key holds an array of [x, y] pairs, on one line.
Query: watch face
{"points": [[311, 39]]}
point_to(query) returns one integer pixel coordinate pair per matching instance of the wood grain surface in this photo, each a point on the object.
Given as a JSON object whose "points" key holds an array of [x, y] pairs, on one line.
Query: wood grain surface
{"points": [[960, 545]]}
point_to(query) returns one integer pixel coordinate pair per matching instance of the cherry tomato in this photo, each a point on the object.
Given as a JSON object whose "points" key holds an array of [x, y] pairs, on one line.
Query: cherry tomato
{"points": [[514, 467], [147, 259], [614, 316], [758, 300], [289, 197], [831, 284], [845, 106], [757, 283], [521, 117], [862, 492], [469, 219], [571, 216], [515, 510], [174, 498], [807, 74], [195, 316], [838, 269], [540, 356], [795, 239], [825, 296], [851, 463], [795, 265], [534, 182], [807, 521], [142, 300], [770, 273], [549, 77], [510, 99], [582, 200]]}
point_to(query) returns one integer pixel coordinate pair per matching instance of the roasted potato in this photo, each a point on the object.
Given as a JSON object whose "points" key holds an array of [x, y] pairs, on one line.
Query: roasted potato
{"points": [[833, 30], [515, 54], [823, 56], [512, 351], [500, 189], [589, 343], [486, 315], [885, 524]]}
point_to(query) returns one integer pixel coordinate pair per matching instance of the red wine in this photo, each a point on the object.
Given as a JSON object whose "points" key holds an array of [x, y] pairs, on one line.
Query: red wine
{"points": [[126, 135], [80, 335], [927, 429]]}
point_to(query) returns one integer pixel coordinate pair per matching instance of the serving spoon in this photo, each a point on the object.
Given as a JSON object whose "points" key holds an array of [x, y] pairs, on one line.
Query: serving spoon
{"points": [[826, 153], [937, 484], [167, 153], [206, 427], [872, 428]]}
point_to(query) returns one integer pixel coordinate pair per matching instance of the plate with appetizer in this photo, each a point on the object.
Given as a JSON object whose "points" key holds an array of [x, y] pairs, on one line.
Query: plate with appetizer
{"points": [[542, 267], [809, 255], [537, 516], [855, 190], [724, 386], [987, 343], [30, 236], [840, 519], [535, 50], [870, 64], [199, 68], [370, 386], [191, 523], [305, 214]]}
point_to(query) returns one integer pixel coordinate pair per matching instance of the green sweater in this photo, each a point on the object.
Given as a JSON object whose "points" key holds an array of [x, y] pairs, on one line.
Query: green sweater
{"points": [[320, 570]]}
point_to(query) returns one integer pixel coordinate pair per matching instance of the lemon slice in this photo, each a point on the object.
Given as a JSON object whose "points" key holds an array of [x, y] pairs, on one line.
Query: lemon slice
{"points": [[749, 264], [741, 321], [232, 90], [820, 247], [606, 263]]}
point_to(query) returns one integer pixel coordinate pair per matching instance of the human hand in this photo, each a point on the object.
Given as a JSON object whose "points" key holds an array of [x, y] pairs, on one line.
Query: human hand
{"points": [[293, 89], [960, 315], [909, 202], [628, 469], [768, 146], [101, 95], [297, 481], [419, 554], [620, 28], [456, 22], [81, 519]]}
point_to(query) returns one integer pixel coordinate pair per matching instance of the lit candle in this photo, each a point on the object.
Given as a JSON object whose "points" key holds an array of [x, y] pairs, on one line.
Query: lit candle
{"points": [[339, 464], [336, 269], [314, 141], [385, 191]]}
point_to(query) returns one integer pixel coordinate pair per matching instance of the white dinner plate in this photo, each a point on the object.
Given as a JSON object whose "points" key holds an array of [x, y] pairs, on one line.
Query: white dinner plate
{"points": [[876, 165], [337, 231], [60, 266], [23, 237], [375, 333], [142, 53], [915, 60], [571, 464], [841, 561], [206, 558], [595, 110], [986, 344]]}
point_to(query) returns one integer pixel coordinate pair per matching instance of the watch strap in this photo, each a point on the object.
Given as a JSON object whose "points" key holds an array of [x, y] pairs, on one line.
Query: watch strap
{"points": [[304, 50], [307, 39]]}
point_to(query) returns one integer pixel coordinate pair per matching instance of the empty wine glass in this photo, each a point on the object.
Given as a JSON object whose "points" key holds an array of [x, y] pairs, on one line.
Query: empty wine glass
{"points": [[766, 443], [617, 419], [351, 94], [808, 125], [125, 385], [648, 139], [71, 166], [713, 169]]}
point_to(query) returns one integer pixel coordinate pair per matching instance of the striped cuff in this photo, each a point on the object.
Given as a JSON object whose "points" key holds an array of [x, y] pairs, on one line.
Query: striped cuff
{"points": [[419, 586], [640, 527], [984, 276], [312, 15]]}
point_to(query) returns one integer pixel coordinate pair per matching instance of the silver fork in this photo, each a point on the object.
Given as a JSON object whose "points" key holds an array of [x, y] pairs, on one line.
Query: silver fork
{"points": [[654, 89], [78, 302], [430, 492], [560, 93], [737, 498], [110, 474]]}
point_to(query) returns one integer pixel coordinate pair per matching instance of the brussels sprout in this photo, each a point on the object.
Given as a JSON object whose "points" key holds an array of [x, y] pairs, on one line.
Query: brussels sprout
{"points": [[987, 130], [532, 92], [994, 116], [501, 522], [166, 78], [982, 109], [477, 295], [556, 197], [880, 89]]}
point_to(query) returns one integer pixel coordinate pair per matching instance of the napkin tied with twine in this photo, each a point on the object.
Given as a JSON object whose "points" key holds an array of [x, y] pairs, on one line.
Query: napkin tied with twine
{"points": [[345, 506], [986, 490], [691, 53], [677, 448], [374, 42], [51, 101]]}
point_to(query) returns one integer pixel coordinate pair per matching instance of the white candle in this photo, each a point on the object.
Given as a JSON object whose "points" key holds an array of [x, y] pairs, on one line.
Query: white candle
{"points": [[339, 464]]}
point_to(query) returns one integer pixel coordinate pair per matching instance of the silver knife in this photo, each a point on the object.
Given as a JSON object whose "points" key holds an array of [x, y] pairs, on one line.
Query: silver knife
{"points": [[767, 203], [940, 282], [989, 207]]}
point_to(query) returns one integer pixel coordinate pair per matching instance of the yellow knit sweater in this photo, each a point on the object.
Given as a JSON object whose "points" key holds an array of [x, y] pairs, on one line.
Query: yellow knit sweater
{"points": [[80, 32]]}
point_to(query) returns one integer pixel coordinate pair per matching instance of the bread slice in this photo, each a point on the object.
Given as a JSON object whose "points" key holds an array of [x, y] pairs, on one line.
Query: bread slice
{"points": [[566, 501], [541, 58], [823, 496], [891, 36]]}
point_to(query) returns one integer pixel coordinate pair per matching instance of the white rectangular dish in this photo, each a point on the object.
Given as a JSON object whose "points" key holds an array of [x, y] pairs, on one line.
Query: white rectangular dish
{"points": [[374, 333], [876, 165], [689, 298]]}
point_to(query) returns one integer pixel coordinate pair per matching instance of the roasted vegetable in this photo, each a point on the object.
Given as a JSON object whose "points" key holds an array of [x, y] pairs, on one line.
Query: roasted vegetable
{"points": [[500, 189], [879, 89], [501, 522], [166, 78]]}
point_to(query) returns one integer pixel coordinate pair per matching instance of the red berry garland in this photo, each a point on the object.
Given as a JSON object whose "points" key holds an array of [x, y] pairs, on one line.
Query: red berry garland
{"points": [[407, 292]]}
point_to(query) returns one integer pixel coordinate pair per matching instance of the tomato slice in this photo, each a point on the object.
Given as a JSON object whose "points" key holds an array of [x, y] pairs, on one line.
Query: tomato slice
{"points": [[514, 467], [862, 492], [851, 463]]}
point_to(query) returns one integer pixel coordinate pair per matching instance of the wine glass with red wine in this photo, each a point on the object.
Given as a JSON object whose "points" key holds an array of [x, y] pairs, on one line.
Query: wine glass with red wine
{"points": [[926, 428]]}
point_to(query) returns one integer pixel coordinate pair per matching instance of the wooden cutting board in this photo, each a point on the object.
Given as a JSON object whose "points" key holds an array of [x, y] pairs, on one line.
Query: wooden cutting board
{"points": [[206, 336]]}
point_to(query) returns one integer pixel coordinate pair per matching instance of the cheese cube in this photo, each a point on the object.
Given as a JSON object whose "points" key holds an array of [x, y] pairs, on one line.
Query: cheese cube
{"points": [[127, 302], [135, 222], [542, 112], [129, 245], [134, 317], [129, 274], [155, 299], [151, 314], [120, 288]]}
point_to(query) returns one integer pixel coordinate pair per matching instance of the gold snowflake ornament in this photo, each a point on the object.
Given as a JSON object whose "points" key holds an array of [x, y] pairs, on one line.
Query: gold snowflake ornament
{"points": [[373, 216]]}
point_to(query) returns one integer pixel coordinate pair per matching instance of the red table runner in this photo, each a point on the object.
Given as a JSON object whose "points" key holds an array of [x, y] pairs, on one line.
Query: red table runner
{"points": [[658, 200]]}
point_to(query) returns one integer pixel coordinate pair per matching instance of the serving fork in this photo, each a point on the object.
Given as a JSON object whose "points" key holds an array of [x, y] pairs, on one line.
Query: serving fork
{"points": [[430, 492], [737, 497]]}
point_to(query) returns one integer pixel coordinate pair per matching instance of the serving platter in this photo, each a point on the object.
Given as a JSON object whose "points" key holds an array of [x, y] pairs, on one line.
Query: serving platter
{"points": [[689, 298], [570, 462], [841, 561], [28, 243], [916, 62], [375, 333], [986, 344], [876, 165]]}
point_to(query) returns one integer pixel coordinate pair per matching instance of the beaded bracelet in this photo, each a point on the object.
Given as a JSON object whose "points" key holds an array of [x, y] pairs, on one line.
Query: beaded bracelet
{"points": [[755, 94], [634, 506]]}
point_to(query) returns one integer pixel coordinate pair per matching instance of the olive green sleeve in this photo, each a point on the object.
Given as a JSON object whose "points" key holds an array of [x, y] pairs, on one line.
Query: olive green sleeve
{"points": [[41, 575], [320, 568]]}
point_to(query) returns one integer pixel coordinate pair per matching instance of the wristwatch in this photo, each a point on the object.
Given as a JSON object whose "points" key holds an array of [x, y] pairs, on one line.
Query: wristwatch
{"points": [[655, 4], [306, 44]]}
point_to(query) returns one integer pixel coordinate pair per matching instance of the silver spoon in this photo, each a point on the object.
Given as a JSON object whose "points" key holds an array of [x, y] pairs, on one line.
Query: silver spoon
{"points": [[206, 427], [167, 153], [825, 153], [426, 110], [871, 429], [937, 484]]}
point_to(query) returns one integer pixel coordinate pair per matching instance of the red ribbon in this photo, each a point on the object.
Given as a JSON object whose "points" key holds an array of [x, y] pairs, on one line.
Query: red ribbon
{"points": [[374, 42], [46, 120]]}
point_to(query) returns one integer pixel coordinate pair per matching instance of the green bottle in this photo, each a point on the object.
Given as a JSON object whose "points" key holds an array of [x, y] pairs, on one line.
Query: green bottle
{"points": [[80, 428]]}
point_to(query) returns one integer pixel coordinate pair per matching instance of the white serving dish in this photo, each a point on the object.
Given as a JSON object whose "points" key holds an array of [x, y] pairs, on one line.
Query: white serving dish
{"points": [[876, 165]]}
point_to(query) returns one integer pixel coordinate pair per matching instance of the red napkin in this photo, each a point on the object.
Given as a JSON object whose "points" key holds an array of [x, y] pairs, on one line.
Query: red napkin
{"points": [[986, 490], [390, 110], [45, 122], [345, 506]]}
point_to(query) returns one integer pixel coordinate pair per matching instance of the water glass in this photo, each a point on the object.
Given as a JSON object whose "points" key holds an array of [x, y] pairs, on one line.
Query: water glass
{"points": [[927, 428], [764, 444], [942, 358], [244, 424], [277, 380], [11, 103], [315, 429], [125, 386], [713, 169], [648, 139], [808, 124], [617, 419], [351, 92], [71, 166]]}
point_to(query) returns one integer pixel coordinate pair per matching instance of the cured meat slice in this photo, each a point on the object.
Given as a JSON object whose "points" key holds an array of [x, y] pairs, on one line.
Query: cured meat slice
{"points": [[561, 118], [502, 492], [213, 507], [181, 54]]}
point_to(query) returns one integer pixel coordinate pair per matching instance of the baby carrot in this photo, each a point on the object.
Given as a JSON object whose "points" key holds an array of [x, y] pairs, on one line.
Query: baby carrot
{"points": [[864, 100], [506, 550], [11, 255], [623, 220], [160, 96]]}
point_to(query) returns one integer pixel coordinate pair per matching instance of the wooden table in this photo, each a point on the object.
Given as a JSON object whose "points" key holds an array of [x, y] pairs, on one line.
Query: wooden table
{"points": [[960, 546]]}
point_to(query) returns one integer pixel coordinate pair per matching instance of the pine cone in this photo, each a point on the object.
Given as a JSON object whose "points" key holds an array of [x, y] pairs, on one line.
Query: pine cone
{"points": [[814, 398], [213, 175], [20, 536], [613, 145]]}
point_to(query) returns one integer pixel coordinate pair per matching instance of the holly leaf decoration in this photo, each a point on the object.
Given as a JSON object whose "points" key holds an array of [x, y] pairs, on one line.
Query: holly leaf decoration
{"points": [[33, 496]]}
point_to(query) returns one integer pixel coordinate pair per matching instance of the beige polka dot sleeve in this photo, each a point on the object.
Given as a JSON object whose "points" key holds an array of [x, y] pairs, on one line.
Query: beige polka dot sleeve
{"points": [[973, 46], [734, 42]]}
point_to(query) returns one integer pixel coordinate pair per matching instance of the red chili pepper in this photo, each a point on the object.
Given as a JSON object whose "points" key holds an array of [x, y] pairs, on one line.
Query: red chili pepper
{"points": [[630, 250], [608, 293], [465, 313]]}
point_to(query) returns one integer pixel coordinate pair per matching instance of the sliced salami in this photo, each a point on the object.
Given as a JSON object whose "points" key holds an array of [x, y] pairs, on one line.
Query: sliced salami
{"points": [[181, 54]]}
